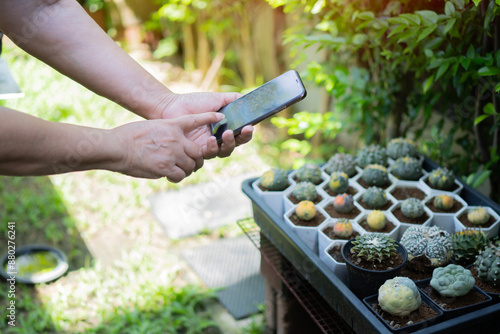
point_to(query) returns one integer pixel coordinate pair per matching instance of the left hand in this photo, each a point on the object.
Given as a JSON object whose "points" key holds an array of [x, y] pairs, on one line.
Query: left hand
{"points": [[175, 105]]}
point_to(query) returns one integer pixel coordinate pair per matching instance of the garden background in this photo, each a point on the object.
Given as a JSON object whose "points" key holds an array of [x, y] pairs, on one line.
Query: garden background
{"points": [[375, 70]]}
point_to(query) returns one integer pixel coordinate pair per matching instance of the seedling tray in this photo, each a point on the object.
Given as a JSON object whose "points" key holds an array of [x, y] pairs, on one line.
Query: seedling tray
{"points": [[337, 294]]}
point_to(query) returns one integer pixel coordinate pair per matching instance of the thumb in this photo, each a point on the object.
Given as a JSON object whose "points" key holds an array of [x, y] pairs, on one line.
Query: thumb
{"points": [[191, 122]]}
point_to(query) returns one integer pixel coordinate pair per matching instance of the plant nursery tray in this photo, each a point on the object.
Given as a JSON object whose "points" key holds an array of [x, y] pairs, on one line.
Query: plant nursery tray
{"points": [[337, 294]]}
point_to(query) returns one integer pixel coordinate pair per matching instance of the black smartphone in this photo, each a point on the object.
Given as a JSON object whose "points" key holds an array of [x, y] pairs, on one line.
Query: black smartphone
{"points": [[261, 103]]}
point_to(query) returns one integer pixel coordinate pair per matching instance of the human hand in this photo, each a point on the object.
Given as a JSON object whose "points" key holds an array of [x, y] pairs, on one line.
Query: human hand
{"points": [[175, 105], [161, 148]]}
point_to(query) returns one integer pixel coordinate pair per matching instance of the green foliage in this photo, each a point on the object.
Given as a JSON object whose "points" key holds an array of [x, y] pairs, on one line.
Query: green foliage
{"points": [[399, 296], [452, 280]]}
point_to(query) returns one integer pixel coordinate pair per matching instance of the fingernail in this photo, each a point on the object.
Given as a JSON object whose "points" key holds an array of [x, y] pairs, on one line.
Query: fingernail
{"points": [[220, 116]]}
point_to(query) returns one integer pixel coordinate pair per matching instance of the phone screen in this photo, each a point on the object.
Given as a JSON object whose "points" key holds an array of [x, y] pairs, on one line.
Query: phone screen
{"points": [[263, 102]]}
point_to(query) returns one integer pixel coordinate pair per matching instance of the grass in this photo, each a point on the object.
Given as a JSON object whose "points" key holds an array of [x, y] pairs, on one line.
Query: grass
{"points": [[124, 276]]}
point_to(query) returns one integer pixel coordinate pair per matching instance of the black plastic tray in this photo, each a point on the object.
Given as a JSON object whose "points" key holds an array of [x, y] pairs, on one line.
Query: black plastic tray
{"points": [[337, 294]]}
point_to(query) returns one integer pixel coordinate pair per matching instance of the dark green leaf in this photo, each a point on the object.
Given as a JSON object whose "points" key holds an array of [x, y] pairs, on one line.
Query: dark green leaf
{"points": [[442, 70], [449, 25], [398, 20], [471, 53], [497, 87], [412, 18], [397, 30], [488, 70], [426, 32], [489, 109], [428, 17], [480, 177], [366, 16], [449, 9], [428, 83]]}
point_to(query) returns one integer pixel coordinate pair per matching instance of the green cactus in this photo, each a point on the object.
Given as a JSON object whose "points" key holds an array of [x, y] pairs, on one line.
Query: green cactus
{"points": [[341, 162], [468, 243], [371, 154], [275, 179], [310, 173], [478, 216], [399, 296], [305, 210], [343, 203], [305, 191], [339, 182], [407, 169], [488, 264], [443, 202], [432, 243], [373, 247], [374, 197], [343, 228], [452, 280], [401, 147], [412, 208], [441, 178], [375, 175], [376, 220]]}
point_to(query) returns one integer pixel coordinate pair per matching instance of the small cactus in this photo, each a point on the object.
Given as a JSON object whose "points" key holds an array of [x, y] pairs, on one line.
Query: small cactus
{"points": [[412, 208], [305, 191], [441, 178], [374, 197], [371, 154], [275, 179], [375, 175], [343, 203], [443, 202], [376, 220], [341, 162], [488, 265], [373, 247], [478, 216], [339, 182], [305, 210], [343, 228], [452, 280], [432, 243], [401, 147], [407, 169], [399, 296], [309, 173], [468, 243]]}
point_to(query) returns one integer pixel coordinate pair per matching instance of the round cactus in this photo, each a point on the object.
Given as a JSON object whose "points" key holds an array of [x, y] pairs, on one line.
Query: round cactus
{"points": [[305, 210], [339, 182], [452, 280], [343, 228], [310, 173], [373, 247], [407, 169], [343, 203], [305, 191], [375, 175], [341, 162], [275, 179], [468, 243], [401, 147], [376, 220], [374, 197], [399, 296], [412, 208], [443, 202], [441, 178], [478, 216], [432, 243], [488, 265], [371, 154]]}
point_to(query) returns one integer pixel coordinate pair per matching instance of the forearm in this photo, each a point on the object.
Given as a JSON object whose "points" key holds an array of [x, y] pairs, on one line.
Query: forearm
{"points": [[31, 146], [61, 34]]}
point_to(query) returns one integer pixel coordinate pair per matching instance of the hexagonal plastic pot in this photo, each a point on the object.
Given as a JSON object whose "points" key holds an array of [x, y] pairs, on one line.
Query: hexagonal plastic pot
{"points": [[324, 176], [405, 225], [458, 186], [309, 234], [288, 204], [329, 202], [272, 198], [324, 241], [352, 184], [407, 185], [444, 220], [338, 268], [490, 231], [394, 233], [359, 196]]}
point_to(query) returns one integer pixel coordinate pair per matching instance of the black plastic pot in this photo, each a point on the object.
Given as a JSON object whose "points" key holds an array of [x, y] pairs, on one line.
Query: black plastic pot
{"points": [[365, 282]]}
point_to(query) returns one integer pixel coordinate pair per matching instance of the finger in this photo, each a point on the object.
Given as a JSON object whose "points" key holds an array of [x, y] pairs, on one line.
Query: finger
{"points": [[176, 175], [191, 122], [228, 144], [212, 148], [245, 135], [230, 97]]}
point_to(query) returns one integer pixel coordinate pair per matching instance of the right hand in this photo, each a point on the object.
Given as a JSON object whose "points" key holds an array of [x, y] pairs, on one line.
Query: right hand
{"points": [[160, 148]]}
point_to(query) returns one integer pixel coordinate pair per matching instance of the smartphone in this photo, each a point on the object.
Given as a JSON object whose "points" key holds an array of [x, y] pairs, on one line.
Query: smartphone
{"points": [[261, 103]]}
